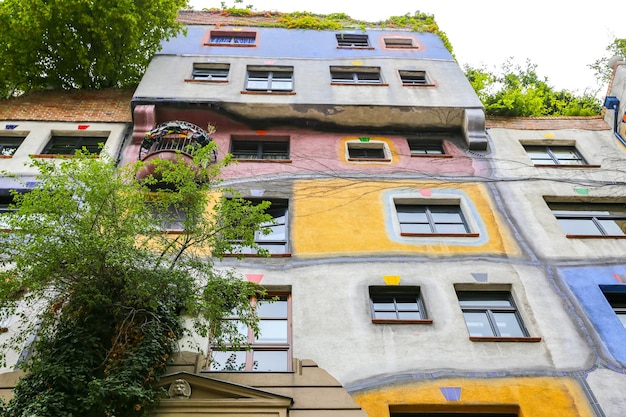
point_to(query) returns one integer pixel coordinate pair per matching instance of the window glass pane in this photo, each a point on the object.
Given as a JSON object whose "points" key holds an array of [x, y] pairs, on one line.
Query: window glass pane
{"points": [[272, 308], [257, 84], [270, 361], [508, 325], [487, 299], [622, 319], [275, 150], [613, 227], [579, 227], [409, 315], [275, 248], [383, 304], [446, 214], [451, 228], [385, 315], [416, 214], [276, 232], [478, 324], [272, 331], [229, 361], [415, 228]]}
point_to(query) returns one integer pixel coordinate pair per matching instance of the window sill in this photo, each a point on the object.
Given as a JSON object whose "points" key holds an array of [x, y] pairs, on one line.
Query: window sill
{"points": [[366, 48], [191, 80], [504, 339], [418, 85], [565, 166], [60, 156], [440, 234], [401, 47], [431, 156], [391, 321], [265, 161], [361, 84], [271, 93], [235, 45], [369, 159], [6, 156], [595, 236]]}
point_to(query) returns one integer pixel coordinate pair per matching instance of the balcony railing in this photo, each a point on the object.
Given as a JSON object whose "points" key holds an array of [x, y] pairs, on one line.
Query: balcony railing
{"points": [[175, 136]]}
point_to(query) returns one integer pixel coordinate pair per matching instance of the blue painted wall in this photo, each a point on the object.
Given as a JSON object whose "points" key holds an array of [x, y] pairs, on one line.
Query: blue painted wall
{"points": [[321, 44], [585, 285]]}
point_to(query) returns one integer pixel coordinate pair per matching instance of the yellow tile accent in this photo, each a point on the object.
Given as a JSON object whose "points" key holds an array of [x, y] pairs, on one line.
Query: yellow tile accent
{"points": [[392, 279]]}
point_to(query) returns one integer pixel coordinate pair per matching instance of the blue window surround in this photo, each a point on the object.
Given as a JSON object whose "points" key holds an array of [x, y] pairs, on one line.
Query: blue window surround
{"points": [[587, 285]]}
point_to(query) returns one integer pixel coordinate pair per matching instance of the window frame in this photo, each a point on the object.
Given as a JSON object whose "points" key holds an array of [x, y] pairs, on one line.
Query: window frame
{"points": [[253, 345], [260, 144], [421, 78], [382, 292], [5, 143], [233, 36], [353, 146], [429, 220], [598, 220], [78, 144], [355, 76], [490, 308], [269, 76], [218, 68], [353, 41], [420, 148], [397, 42], [552, 158], [617, 301]]}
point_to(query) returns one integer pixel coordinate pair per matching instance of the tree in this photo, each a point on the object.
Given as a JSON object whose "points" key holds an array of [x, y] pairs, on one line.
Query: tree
{"points": [[603, 67], [519, 91], [73, 44], [89, 270]]}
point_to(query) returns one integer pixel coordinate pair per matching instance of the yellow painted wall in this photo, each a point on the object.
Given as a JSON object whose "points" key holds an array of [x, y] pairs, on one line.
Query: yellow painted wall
{"points": [[535, 397], [340, 217]]}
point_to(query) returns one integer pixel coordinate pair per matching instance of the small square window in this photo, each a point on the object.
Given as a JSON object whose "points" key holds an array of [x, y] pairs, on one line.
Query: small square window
{"points": [[554, 155], [491, 314], [368, 151], [402, 43], [210, 72], [267, 149], [617, 300], [68, 145], [269, 79], [430, 219], [591, 219], [274, 235], [421, 148], [270, 350], [397, 304], [9, 144], [412, 78], [348, 40], [355, 75], [231, 38]]}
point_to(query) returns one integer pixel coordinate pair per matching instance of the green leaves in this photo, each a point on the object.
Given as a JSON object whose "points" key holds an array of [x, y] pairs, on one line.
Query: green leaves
{"points": [[72, 44], [94, 276], [518, 91]]}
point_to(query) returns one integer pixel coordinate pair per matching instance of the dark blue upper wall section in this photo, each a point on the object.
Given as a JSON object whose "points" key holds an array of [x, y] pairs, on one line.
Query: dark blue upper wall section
{"points": [[297, 43]]}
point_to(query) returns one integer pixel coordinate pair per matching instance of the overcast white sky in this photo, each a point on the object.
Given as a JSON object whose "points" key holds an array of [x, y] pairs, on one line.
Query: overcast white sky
{"points": [[561, 37]]}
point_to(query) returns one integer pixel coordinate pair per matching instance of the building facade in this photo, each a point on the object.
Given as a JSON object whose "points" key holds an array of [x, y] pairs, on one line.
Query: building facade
{"points": [[427, 261]]}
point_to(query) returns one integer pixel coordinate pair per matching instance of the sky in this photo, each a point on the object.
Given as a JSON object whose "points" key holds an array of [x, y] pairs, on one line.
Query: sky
{"points": [[561, 37]]}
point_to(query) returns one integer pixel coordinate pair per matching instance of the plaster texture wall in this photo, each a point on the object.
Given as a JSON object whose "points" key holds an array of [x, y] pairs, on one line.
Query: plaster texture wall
{"points": [[607, 388]]}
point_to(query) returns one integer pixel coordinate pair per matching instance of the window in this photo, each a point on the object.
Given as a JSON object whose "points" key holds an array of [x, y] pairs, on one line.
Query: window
{"points": [[270, 79], [230, 38], [348, 40], [591, 219], [491, 314], [554, 155], [410, 78], [210, 72], [275, 242], [355, 75], [172, 218], [367, 151], [617, 300], [9, 144], [68, 145], [271, 350], [260, 150], [431, 219], [399, 43], [6, 201], [421, 148], [397, 304]]}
